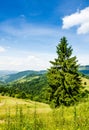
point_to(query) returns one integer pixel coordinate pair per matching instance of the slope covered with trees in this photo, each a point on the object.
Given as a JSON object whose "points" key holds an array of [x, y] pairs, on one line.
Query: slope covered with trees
{"points": [[17, 76], [32, 87]]}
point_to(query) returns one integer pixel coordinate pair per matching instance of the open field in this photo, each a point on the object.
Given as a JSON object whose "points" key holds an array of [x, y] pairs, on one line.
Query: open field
{"points": [[12, 108], [18, 114]]}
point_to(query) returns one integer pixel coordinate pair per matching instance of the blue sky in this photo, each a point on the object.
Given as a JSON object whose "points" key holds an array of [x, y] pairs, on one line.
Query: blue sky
{"points": [[31, 29]]}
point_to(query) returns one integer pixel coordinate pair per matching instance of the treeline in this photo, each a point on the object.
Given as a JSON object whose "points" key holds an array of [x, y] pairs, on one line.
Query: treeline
{"points": [[35, 89]]}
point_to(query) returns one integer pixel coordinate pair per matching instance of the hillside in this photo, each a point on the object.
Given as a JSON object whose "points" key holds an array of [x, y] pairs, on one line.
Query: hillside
{"points": [[33, 86], [13, 77], [14, 106], [6, 102], [30, 84], [85, 83], [19, 114]]}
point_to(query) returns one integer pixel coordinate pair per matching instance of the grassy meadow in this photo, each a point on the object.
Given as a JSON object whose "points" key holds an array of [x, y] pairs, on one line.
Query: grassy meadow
{"points": [[19, 114], [85, 83]]}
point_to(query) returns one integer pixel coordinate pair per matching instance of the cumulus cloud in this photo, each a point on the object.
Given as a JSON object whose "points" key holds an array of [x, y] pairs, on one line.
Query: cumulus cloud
{"points": [[26, 62], [79, 19]]}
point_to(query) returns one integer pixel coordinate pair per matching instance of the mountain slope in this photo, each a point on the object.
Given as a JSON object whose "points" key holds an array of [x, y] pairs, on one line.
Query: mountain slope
{"points": [[19, 75], [34, 87], [10, 76]]}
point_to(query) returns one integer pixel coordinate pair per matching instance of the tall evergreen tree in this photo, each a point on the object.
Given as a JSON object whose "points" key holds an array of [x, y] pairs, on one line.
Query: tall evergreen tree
{"points": [[63, 77]]}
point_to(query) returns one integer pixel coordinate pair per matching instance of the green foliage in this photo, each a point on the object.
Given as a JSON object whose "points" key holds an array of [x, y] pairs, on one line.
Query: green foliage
{"points": [[17, 76], [63, 77], [20, 95], [34, 89]]}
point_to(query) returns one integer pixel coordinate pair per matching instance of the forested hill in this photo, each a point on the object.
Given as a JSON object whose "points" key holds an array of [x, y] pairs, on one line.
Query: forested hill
{"points": [[10, 76], [33, 86], [28, 84], [20, 75]]}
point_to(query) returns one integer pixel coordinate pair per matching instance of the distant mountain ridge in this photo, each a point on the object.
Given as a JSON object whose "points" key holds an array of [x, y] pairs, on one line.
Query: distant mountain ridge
{"points": [[16, 76], [86, 67], [30, 84], [11, 76], [6, 72], [84, 70]]}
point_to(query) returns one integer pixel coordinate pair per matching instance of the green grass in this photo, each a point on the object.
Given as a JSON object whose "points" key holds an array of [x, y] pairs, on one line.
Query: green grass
{"points": [[87, 83], [18, 114]]}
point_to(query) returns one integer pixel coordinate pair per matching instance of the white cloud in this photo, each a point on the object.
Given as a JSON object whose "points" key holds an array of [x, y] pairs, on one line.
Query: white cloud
{"points": [[23, 36], [35, 61], [80, 19], [83, 59], [2, 49]]}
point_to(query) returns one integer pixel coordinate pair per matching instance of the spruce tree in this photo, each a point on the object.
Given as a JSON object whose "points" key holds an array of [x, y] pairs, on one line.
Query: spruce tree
{"points": [[63, 77]]}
